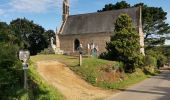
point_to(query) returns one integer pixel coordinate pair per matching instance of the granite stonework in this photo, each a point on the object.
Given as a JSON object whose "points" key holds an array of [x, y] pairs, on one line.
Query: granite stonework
{"points": [[94, 28]]}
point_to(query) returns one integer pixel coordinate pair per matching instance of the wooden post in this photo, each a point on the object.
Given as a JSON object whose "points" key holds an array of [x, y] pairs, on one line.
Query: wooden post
{"points": [[80, 56], [80, 59]]}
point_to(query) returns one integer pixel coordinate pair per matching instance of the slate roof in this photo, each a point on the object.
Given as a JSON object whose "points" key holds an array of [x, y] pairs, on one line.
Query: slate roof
{"points": [[97, 22]]}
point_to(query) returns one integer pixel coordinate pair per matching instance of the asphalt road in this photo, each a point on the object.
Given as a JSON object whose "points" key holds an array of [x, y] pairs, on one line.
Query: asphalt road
{"points": [[155, 88]]}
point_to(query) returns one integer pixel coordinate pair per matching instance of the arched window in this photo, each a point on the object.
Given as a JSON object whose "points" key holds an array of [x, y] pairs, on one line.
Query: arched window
{"points": [[76, 44]]}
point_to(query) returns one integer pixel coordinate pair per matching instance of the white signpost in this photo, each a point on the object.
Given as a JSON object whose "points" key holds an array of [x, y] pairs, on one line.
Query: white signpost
{"points": [[24, 56]]}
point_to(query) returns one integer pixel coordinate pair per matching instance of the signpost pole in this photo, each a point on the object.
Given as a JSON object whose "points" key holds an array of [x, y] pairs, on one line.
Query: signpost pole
{"points": [[25, 78], [25, 67], [80, 59], [24, 57]]}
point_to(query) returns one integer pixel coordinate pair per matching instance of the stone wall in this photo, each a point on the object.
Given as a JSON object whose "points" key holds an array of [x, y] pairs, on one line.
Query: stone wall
{"points": [[100, 39], [91, 29]]}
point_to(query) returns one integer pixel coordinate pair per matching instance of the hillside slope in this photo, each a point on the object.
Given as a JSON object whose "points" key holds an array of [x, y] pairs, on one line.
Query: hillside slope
{"points": [[69, 84]]}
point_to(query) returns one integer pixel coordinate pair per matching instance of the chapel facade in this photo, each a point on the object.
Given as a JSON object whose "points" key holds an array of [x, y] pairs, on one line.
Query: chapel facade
{"points": [[93, 30]]}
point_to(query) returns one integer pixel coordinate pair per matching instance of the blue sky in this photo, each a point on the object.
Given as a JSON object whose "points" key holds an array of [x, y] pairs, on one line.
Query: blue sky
{"points": [[48, 12]]}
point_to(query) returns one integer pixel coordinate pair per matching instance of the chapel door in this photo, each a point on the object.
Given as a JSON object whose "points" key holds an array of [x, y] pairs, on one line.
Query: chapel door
{"points": [[76, 44]]}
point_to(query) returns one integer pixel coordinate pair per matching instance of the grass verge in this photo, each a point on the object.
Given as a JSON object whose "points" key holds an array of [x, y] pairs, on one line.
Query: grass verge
{"points": [[38, 88], [130, 79]]}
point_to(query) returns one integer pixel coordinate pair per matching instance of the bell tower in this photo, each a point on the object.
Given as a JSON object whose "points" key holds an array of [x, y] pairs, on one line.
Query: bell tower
{"points": [[65, 15], [66, 7]]}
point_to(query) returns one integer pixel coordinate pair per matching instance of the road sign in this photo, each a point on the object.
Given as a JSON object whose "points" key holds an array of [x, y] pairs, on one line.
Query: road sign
{"points": [[24, 55]]}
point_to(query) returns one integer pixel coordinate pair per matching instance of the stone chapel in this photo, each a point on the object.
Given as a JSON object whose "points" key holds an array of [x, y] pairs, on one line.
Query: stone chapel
{"points": [[92, 30]]}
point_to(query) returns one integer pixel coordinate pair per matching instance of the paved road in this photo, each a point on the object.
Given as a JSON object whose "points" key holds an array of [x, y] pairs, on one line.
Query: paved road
{"points": [[155, 88]]}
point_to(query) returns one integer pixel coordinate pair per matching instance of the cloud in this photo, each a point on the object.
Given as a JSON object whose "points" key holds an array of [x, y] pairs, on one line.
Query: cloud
{"points": [[19, 8], [2, 12], [34, 6]]}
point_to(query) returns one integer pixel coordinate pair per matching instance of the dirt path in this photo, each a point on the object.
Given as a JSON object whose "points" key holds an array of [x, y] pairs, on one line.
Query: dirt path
{"points": [[69, 84]]}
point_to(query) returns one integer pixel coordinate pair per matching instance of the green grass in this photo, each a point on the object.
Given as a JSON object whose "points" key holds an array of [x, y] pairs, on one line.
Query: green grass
{"points": [[68, 60], [91, 70], [131, 79], [38, 88]]}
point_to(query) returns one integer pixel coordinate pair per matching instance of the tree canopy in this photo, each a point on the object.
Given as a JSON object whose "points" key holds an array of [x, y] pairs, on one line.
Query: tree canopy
{"points": [[118, 5], [31, 35], [153, 19], [48, 34], [10, 67], [19, 34]]}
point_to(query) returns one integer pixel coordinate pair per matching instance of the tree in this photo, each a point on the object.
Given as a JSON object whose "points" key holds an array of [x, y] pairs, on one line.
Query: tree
{"points": [[48, 34], [3, 31], [154, 24], [166, 52], [30, 34], [6, 34], [10, 67], [154, 21], [160, 53], [124, 45], [118, 5]]}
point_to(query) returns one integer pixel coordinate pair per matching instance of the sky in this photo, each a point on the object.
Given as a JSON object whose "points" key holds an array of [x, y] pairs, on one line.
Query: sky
{"points": [[47, 13]]}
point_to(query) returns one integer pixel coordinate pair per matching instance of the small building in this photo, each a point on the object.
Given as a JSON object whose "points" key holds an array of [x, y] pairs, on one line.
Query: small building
{"points": [[93, 30]]}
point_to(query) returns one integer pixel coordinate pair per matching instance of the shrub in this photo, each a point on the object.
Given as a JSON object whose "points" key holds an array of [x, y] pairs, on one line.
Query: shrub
{"points": [[118, 65], [160, 58], [103, 55], [10, 71], [48, 50], [161, 61], [150, 61]]}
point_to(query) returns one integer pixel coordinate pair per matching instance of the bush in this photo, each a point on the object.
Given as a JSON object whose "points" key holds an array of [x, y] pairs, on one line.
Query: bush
{"points": [[10, 72], [48, 50], [118, 66], [161, 60], [106, 56], [150, 61]]}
